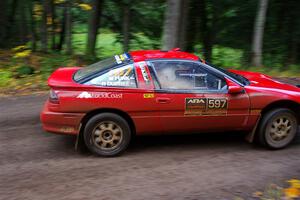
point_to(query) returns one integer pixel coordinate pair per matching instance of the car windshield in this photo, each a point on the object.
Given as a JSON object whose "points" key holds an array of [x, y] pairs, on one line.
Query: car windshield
{"points": [[238, 77], [101, 66]]}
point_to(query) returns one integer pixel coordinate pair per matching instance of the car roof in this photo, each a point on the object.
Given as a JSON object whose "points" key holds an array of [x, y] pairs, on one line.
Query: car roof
{"points": [[143, 55]]}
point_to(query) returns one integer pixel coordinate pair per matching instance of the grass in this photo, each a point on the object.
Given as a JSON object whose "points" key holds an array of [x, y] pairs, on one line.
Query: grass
{"points": [[30, 73]]}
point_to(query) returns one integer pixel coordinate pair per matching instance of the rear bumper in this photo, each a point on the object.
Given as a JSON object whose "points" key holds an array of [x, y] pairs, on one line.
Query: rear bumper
{"points": [[61, 123]]}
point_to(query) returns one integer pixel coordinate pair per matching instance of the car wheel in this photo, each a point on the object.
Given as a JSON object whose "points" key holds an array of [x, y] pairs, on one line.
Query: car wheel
{"points": [[278, 128], [107, 134]]}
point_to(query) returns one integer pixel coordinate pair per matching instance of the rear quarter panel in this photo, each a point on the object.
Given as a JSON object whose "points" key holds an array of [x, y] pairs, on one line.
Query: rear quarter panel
{"points": [[139, 104]]}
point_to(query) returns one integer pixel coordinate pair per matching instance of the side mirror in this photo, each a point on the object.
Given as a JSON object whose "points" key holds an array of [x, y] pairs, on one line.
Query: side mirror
{"points": [[234, 88]]}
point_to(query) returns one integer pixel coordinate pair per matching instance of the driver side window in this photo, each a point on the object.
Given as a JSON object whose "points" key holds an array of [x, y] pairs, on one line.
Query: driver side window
{"points": [[183, 75]]}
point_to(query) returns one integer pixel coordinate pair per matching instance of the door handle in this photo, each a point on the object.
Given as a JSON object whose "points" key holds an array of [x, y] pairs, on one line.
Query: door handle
{"points": [[163, 100]]}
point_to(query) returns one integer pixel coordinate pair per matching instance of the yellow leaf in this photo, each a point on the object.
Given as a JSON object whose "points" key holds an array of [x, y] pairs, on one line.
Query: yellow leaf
{"points": [[295, 183], [23, 54], [292, 193], [37, 7], [257, 194], [59, 1], [49, 20], [85, 6], [19, 48], [37, 11]]}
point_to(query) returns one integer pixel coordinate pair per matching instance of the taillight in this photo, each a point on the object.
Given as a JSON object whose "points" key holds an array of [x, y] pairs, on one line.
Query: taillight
{"points": [[53, 98]]}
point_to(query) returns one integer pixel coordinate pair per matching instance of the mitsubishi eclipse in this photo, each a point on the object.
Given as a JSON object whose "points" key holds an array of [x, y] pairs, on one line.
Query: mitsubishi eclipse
{"points": [[161, 92]]}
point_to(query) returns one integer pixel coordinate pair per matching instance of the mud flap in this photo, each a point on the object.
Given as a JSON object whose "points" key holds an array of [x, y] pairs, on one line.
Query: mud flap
{"points": [[250, 136], [78, 138]]}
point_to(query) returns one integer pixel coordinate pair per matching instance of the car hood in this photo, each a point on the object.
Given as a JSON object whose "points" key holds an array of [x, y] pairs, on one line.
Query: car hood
{"points": [[261, 80]]}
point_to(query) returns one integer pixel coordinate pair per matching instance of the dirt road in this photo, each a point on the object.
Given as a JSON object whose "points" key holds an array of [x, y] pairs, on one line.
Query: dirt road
{"points": [[38, 165]]}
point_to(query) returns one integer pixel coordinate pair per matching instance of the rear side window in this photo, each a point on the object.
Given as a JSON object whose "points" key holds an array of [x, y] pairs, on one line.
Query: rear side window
{"points": [[117, 77], [102, 65]]}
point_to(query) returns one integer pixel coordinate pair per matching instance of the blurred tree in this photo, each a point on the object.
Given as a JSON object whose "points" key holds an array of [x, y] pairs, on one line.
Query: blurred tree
{"points": [[62, 29], [258, 33], [170, 38], [202, 26], [94, 23], [3, 25], [44, 25], [22, 21], [69, 26], [185, 7], [193, 26], [11, 21], [53, 23], [126, 24], [32, 28]]}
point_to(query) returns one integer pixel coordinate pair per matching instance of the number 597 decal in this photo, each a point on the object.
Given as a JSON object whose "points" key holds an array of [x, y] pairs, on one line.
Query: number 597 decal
{"points": [[217, 103], [206, 106]]}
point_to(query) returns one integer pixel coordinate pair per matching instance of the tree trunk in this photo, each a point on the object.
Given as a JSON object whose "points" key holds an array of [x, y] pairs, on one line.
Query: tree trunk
{"points": [[69, 27], [206, 27], [126, 26], [53, 25], [171, 25], [185, 5], [23, 22], [94, 23], [62, 30], [44, 26], [32, 27], [3, 24], [258, 33], [193, 28], [11, 21]]}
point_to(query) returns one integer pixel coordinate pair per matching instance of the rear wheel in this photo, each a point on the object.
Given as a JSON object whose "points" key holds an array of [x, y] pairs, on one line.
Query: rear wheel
{"points": [[278, 128], [107, 134]]}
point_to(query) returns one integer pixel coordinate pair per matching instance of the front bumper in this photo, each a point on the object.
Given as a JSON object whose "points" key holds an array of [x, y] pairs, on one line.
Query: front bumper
{"points": [[61, 123]]}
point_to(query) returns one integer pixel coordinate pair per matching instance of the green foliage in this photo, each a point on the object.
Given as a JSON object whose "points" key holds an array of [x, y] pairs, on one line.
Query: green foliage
{"points": [[227, 57], [50, 63], [5, 77], [230, 23], [141, 41], [24, 70]]}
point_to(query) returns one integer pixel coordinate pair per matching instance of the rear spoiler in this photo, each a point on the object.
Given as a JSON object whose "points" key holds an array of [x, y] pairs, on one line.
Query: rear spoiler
{"points": [[62, 77]]}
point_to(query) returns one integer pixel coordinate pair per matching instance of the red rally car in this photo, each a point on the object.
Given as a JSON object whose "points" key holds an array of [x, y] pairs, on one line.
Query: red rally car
{"points": [[160, 92]]}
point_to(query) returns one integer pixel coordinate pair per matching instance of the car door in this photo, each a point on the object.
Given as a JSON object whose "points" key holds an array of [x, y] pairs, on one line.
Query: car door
{"points": [[192, 98]]}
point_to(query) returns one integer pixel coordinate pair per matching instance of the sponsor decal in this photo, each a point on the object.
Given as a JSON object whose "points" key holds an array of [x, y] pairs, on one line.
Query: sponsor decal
{"points": [[255, 111], [206, 106], [67, 129], [116, 83], [148, 95], [144, 72], [83, 95], [101, 95], [121, 58], [118, 60]]}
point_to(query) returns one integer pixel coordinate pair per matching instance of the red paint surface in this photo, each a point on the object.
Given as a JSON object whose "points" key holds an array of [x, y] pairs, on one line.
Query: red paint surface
{"points": [[165, 112]]}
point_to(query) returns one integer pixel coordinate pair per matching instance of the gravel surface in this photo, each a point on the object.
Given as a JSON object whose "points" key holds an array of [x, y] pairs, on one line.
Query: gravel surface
{"points": [[38, 165]]}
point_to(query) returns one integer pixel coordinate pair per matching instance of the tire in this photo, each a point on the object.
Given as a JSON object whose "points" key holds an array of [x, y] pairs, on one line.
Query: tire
{"points": [[107, 134], [277, 128]]}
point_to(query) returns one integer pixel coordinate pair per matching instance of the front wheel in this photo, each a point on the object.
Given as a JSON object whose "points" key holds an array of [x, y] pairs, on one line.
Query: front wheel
{"points": [[278, 128], [107, 134]]}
